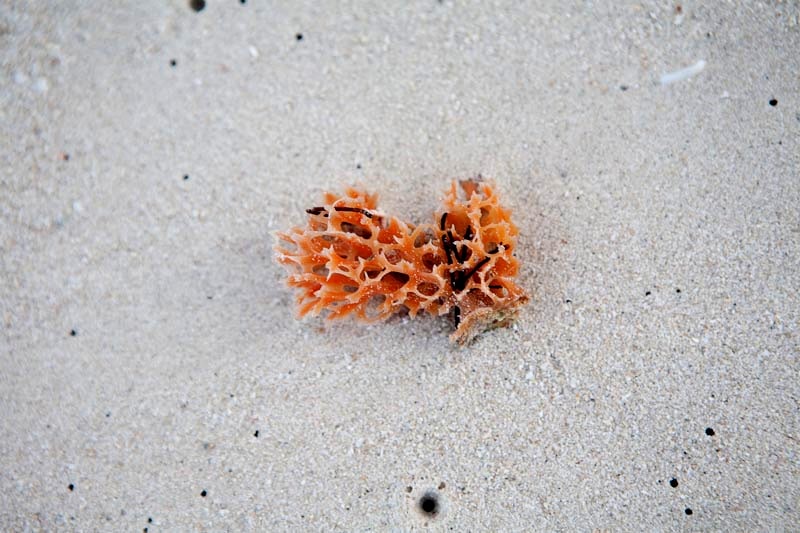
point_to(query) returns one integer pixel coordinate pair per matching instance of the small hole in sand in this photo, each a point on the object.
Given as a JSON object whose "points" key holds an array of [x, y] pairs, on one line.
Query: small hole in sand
{"points": [[429, 504]]}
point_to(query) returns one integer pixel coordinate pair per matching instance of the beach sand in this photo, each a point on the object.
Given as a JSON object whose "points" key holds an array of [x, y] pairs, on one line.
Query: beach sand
{"points": [[153, 375]]}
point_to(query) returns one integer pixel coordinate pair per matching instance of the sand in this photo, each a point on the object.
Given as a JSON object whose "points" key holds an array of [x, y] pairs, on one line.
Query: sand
{"points": [[153, 375]]}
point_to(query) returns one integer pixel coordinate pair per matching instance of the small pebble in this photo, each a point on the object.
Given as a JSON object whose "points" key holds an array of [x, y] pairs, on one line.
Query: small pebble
{"points": [[41, 85]]}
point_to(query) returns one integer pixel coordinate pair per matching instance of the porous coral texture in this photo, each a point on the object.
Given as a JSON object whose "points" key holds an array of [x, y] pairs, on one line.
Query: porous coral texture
{"points": [[352, 258]]}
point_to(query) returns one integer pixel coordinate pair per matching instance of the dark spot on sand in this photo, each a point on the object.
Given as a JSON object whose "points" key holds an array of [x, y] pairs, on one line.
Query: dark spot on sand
{"points": [[429, 504]]}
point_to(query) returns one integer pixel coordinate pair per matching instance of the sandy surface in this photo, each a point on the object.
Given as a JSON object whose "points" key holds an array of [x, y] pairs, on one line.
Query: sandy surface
{"points": [[152, 374]]}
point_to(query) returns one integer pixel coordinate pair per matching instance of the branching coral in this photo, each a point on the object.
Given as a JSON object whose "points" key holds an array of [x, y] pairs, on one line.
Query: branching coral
{"points": [[352, 258]]}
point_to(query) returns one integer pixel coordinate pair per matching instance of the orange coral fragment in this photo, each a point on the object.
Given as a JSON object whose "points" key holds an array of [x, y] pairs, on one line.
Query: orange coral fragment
{"points": [[352, 258]]}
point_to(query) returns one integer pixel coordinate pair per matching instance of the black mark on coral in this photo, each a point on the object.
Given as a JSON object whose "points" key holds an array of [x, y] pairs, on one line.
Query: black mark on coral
{"points": [[354, 210], [464, 279]]}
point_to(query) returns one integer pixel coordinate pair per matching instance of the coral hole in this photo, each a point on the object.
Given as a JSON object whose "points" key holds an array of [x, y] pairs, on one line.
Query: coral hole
{"points": [[395, 280], [373, 307], [427, 288], [423, 238], [498, 290], [372, 274], [429, 261], [361, 231], [393, 256], [429, 504], [477, 295]]}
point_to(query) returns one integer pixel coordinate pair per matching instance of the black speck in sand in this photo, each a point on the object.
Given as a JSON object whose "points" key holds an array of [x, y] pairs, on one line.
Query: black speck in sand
{"points": [[197, 5], [429, 504], [773, 102]]}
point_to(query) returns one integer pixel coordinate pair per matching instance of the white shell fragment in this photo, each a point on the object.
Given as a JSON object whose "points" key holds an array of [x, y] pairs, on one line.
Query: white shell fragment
{"points": [[684, 73]]}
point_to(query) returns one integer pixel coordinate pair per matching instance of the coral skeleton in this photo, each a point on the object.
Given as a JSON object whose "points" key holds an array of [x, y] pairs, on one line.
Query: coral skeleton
{"points": [[353, 259]]}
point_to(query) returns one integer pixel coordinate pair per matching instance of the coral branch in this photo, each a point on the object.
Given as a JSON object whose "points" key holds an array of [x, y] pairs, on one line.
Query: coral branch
{"points": [[352, 260]]}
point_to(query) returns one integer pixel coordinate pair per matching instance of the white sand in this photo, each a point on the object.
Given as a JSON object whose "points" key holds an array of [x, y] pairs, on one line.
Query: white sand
{"points": [[185, 342]]}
